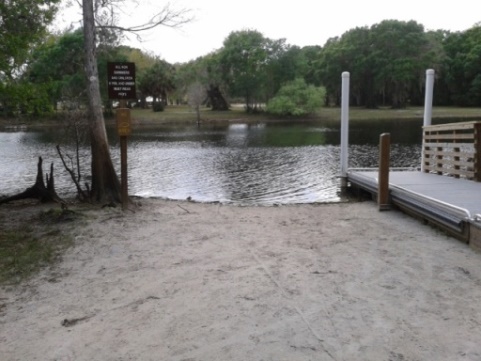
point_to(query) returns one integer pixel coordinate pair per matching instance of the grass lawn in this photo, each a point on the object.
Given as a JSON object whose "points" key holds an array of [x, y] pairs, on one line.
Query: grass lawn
{"points": [[31, 238], [173, 114], [183, 113]]}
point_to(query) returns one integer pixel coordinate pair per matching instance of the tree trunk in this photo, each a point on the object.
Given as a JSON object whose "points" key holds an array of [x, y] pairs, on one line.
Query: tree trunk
{"points": [[216, 99], [105, 182], [38, 190]]}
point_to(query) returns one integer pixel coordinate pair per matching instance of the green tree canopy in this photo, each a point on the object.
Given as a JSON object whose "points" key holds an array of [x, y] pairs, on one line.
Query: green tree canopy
{"points": [[462, 67], [297, 98], [386, 62], [23, 24], [398, 56], [59, 62], [157, 81], [244, 58]]}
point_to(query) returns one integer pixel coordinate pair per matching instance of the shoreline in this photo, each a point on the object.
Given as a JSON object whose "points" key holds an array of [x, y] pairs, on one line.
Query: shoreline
{"points": [[183, 115], [179, 280]]}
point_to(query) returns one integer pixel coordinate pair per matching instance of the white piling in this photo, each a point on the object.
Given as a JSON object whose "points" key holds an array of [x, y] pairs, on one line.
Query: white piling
{"points": [[428, 106], [344, 127], [428, 100]]}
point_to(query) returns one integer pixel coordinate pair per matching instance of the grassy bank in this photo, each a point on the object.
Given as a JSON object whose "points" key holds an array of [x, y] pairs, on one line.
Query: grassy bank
{"points": [[173, 114], [32, 237], [184, 114]]}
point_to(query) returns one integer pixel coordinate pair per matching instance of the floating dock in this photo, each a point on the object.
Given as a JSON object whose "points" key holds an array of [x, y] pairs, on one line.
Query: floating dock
{"points": [[445, 192], [451, 203]]}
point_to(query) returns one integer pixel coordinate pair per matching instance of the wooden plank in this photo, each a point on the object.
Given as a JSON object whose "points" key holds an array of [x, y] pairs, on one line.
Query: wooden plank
{"points": [[448, 136], [466, 167], [445, 172], [451, 126], [477, 149], [448, 145], [467, 161], [449, 153], [447, 163]]}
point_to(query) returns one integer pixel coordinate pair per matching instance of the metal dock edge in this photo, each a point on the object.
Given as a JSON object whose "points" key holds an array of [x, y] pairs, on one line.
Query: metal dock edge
{"points": [[453, 219]]}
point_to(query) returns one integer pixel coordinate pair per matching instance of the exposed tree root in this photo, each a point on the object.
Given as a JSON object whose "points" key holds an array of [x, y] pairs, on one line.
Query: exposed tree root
{"points": [[38, 190]]}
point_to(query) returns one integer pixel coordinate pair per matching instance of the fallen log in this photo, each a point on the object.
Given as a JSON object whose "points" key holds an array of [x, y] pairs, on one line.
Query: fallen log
{"points": [[38, 190]]}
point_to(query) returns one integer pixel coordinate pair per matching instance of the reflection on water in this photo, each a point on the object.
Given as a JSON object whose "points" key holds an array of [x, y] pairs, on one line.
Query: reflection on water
{"points": [[239, 164], [240, 175]]}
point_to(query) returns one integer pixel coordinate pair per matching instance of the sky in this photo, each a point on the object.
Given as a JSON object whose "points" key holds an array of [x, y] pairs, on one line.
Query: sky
{"points": [[300, 22]]}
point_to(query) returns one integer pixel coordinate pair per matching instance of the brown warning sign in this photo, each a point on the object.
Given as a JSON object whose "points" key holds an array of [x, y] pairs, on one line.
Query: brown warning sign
{"points": [[121, 80]]}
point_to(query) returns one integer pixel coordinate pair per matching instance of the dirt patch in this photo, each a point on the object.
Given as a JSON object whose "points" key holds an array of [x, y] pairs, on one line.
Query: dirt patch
{"points": [[32, 236]]}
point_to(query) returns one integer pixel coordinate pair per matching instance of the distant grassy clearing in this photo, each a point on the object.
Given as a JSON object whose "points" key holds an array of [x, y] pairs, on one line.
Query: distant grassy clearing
{"points": [[173, 114], [237, 114]]}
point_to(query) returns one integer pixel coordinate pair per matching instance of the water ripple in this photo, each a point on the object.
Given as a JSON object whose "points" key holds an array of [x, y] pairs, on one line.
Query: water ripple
{"points": [[241, 165]]}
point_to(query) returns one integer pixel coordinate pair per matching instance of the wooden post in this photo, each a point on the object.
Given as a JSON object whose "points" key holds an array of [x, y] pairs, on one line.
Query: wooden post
{"points": [[123, 171], [383, 177], [121, 86], [477, 152], [123, 127]]}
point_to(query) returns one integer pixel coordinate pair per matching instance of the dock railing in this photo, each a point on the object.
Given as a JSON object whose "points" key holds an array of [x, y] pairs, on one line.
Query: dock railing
{"points": [[453, 149]]}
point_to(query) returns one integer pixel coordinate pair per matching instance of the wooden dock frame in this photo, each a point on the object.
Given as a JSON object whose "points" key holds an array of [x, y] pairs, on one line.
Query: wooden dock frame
{"points": [[475, 236]]}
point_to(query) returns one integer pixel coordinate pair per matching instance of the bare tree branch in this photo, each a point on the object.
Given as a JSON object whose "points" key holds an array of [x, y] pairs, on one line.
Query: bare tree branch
{"points": [[82, 195], [106, 17]]}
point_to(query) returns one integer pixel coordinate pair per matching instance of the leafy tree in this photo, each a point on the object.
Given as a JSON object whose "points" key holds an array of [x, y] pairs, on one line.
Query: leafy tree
{"points": [[157, 81], [245, 57], [352, 52], [398, 49], [309, 56], [205, 71], [288, 64], [142, 60], [212, 76], [59, 62], [23, 24], [387, 62], [219, 72], [188, 74], [185, 75], [330, 65], [435, 56], [462, 66], [22, 98], [297, 98]]}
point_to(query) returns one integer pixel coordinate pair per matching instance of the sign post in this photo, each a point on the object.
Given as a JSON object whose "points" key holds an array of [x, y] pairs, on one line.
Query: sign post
{"points": [[121, 86]]}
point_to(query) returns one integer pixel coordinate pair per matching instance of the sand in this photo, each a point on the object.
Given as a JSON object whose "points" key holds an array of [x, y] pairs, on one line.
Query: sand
{"points": [[191, 282]]}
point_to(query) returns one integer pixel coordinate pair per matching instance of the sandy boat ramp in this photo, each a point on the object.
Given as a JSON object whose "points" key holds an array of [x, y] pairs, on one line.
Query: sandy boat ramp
{"points": [[184, 281]]}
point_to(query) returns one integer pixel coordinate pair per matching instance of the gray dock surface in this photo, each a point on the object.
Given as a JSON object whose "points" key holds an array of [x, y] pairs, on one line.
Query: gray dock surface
{"points": [[452, 203]]}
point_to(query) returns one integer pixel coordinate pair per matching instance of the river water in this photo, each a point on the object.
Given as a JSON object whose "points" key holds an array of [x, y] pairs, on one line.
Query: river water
{"points": [[261, 164]]}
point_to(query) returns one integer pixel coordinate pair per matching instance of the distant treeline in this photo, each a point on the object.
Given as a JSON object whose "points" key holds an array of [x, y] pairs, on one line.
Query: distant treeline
{"points": [[387, 63]]}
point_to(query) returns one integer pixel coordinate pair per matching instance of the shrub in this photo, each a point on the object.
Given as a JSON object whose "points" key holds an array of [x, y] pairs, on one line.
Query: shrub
{"points": [[297, 98], [158, 107]]}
